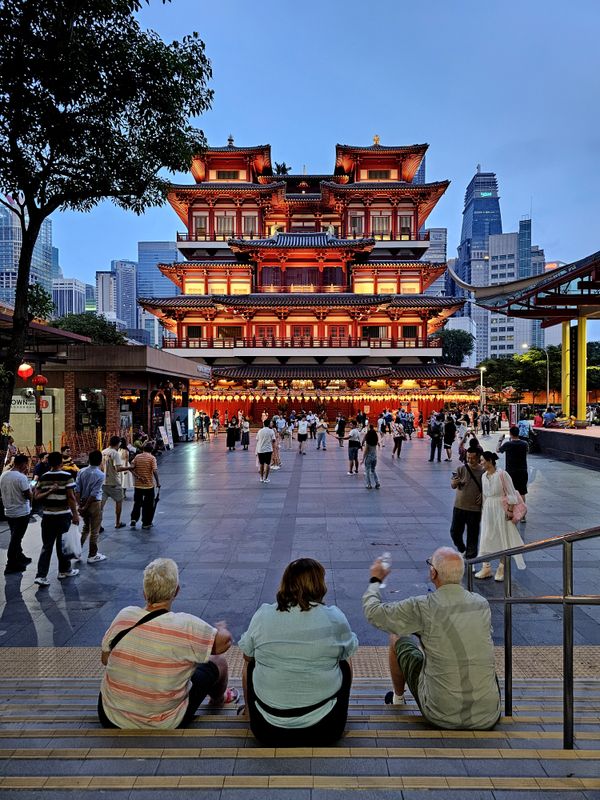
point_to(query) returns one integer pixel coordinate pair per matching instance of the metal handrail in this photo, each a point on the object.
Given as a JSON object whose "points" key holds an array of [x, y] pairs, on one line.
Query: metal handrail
{"points": [[567, 599]]}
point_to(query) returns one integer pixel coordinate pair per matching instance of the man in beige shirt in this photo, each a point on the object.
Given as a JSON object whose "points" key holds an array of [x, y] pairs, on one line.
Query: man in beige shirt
{"points": [[467, 504], [145, 477]]}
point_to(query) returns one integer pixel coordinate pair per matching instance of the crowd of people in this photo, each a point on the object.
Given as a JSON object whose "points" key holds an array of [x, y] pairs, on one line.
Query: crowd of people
{"points": [[64, 495]]}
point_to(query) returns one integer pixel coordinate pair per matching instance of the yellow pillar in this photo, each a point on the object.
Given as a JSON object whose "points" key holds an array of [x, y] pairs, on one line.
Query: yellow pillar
{"points": [[581, 367], [565, 368]]}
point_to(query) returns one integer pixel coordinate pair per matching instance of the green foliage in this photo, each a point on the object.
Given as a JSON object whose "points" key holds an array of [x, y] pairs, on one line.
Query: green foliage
{"points": [[99, 329], [39, 302], [593, 377], [593, 354], [282, 169], [456, 346]]}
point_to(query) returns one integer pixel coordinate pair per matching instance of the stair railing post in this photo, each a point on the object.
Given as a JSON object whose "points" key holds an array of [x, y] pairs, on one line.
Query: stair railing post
{"points": [[508, 639], [568, 699]]}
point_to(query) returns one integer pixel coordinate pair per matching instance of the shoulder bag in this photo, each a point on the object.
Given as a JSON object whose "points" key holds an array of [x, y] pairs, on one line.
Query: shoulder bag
{"points": [[519, 509], [152, 615], [477, 483]]}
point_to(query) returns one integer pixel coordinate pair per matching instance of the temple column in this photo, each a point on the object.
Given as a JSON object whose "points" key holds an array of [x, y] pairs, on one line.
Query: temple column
{"points": [[205, 281], [228, 277], [211, 221], [394, 222], [581, 367], [238, 220], [565, 368], [398, 282], [367, 228], [375, 282], [416, 231], [179, 328]]}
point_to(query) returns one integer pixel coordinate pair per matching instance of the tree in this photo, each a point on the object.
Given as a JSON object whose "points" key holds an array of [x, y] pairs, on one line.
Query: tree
{"points": [[99, 329], [91, 107], [456, 346], [39, 302], [282, 169]]}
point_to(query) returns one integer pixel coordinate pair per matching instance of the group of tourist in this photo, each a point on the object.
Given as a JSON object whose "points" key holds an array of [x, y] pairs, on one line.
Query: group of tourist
{"points": [[297, 672], [64, 494]]}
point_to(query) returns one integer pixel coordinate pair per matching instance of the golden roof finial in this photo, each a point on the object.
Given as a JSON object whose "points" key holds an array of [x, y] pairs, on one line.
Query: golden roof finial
{"points": [[376, 140]]}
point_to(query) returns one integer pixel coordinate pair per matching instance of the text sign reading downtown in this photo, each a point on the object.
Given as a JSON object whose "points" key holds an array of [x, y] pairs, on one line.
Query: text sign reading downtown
{"points": [[26, 405]]}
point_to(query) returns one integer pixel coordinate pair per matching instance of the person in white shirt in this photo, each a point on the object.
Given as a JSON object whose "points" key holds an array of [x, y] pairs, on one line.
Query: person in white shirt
{"points": [[302, 435], [16, 497], [264, 450]]}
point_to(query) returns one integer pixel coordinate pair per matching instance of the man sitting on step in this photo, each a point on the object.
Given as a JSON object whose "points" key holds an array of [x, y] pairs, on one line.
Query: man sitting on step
{"points": [[160, 665], [451, 675]]}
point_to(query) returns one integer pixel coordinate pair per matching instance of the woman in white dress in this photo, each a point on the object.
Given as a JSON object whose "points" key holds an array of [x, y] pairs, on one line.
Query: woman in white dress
{"points": [[498, 531], [125, 477]]}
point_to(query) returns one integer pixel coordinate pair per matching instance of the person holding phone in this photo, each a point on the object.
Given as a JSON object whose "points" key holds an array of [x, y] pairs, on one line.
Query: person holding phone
{"points": [[467, 503]]}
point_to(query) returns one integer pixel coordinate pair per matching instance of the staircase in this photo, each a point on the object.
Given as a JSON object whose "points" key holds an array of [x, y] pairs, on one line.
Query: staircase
{"points": [[51, 745]]}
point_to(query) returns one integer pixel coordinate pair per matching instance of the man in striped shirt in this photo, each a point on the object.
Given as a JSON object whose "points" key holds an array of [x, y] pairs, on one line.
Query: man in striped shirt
{"points": [[59, 509], [161, 669]]}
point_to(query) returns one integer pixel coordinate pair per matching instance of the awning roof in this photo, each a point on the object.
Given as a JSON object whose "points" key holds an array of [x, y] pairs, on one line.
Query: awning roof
{"points": [[344, 372]]}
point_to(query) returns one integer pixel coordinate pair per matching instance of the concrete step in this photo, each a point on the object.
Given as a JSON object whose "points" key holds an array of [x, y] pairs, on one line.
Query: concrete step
{"points": [[51, 743]]}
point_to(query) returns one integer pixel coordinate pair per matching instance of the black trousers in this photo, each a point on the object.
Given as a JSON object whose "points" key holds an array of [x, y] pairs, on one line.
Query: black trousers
{"points": [[18, 527], [436, 444], [53, 527], [462, 518], [397, 445], [143, 500], [324, 733]]}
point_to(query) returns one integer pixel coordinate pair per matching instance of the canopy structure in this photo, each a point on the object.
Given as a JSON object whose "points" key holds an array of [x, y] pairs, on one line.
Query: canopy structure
{"points": [[569, 293]]}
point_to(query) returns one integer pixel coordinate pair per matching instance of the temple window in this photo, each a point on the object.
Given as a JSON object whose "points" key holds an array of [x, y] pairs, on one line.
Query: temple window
{"points": [[194, 331], [378, 174], [409, 331], [333, 276], [386, 287], [225, 223], [364, 286], [250, 222], [228, 175], [229, 332], [405, 223], [357, 224], [200, 225], [380, 222], [217, 287], [374, 331], [410, 287], [338, 331], [265, 331], [271, 276], [302, 331]]}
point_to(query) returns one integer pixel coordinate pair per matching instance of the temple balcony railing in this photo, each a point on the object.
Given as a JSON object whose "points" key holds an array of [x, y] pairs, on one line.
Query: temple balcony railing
{"points": [[217, 237], [296, 288], [273, 343], [422, 236]]}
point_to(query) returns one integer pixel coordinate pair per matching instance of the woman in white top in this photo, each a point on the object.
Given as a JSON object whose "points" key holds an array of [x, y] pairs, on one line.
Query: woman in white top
{"points": [[126, 478], [498, 531]]}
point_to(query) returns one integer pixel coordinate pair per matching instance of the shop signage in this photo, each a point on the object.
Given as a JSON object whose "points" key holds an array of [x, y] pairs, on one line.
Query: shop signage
{"points": [[26, 405]]}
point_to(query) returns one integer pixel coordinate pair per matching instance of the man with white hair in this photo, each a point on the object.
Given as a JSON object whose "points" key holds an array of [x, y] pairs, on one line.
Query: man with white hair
{"points": [[451, 675], [160, 665]]}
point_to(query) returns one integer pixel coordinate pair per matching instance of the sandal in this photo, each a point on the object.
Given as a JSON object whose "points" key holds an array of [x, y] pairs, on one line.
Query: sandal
{"points": [[230, 698]]}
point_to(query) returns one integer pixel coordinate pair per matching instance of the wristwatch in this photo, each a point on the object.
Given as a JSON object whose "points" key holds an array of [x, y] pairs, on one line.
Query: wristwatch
{"points": [[375, 580]]}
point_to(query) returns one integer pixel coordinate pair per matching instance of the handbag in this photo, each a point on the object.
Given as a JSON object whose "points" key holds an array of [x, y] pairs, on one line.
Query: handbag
{"points": [[71, 542], [519, 510]]}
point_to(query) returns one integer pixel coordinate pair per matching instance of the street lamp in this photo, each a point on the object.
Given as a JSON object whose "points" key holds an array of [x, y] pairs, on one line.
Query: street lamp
{"points": [[525, 346], [481, 395]]}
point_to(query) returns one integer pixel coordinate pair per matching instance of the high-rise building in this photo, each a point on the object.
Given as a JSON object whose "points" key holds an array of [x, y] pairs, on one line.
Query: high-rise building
{"points": [[68, 296], [481, 219], [438, 253], [150, 281], [126, 307], [10, 250], [420, 173], [90, 297], [106, 296], [56, 268]]}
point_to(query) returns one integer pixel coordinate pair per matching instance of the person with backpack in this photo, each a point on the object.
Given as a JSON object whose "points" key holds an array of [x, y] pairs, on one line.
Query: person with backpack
{"points": [[435, 431]]}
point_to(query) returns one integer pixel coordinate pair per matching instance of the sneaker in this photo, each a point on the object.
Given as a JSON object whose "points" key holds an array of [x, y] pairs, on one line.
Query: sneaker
{"points": [[349, 473], [267, 480], [484, 572], [262, 480], [132, 524], [378, 486], [95, 559], [146, 527], [70, 574], [393, 699], [101, 529], [42, 581]]}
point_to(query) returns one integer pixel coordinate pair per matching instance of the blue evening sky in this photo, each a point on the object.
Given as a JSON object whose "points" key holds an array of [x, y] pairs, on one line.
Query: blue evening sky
{"points": [[510, 85]]}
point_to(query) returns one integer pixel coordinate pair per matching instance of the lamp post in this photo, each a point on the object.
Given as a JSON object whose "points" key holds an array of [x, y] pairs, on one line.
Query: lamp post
{"points": [[481, 394], [525, 346]]}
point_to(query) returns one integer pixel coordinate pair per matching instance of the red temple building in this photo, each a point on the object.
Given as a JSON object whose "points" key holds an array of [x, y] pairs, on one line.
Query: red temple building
{"points": [[309, 289]]}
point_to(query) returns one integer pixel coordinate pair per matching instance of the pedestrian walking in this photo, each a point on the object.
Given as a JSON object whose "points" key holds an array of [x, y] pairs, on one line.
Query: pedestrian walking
{"points": [[322, 430], [88, 491], [498, 531], [16, 497], [232, 432], [341, 429], [467, 481], [369, 459], [449, 436], [112, 466], [264, 450], [145, 476], [126, 477], [276, 459], [59, 510], [354, 445], [435, 431], [515, 451], [245, 433], [302, 435], [381, 428], [398, 436]]}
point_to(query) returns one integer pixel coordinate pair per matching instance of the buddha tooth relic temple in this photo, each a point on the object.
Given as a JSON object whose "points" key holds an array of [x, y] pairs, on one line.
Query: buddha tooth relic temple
{"points": [[309, 289]]}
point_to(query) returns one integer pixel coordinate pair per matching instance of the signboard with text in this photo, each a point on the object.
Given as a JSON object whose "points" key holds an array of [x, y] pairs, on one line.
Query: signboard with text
{"points": [[26, 405]]}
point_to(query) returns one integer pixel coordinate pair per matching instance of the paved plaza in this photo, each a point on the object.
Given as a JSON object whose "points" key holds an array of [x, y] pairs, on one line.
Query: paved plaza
{"points": [[232, 536]]}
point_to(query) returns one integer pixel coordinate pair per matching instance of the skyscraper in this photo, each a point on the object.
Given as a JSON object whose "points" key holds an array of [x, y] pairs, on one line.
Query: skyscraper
{"points": [[481, 219], [126, 308], [90, 297], [438, 254], [56, 269], [68, 296], [150, 282], [106, 301], [10, 250]]}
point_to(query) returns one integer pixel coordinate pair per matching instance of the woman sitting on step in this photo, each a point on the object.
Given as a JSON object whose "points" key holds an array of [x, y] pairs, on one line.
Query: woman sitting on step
{"points": [[297, 673]]}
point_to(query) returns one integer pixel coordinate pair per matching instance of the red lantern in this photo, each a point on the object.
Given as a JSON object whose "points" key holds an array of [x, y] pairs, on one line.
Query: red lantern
{"points": [[25, 371], [39, 381]]}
